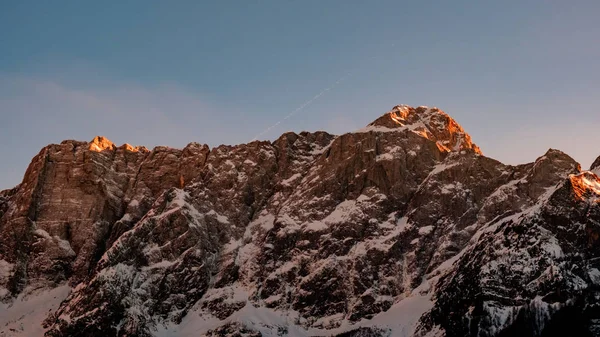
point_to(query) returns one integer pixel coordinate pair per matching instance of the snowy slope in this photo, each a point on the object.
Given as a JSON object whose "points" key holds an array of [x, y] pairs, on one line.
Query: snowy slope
{"points": [[25, 315], [402, 228]]}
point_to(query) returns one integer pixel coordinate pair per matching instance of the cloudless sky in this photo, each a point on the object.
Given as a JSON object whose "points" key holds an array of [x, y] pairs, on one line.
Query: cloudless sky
{"points": [[519, 76]]}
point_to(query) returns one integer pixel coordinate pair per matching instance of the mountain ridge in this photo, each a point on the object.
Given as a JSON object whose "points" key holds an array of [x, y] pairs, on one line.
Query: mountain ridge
{"points": [[310, 234]]}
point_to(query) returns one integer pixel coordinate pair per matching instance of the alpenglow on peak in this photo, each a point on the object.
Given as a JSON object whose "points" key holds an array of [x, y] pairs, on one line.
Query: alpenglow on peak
{"points": [[431, 123]]}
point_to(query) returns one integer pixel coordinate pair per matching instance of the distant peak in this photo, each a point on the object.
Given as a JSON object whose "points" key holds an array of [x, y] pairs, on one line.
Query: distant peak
{"points": [[431, 123], [585, 185], [131, 148], [596, 166], [100, 143]]}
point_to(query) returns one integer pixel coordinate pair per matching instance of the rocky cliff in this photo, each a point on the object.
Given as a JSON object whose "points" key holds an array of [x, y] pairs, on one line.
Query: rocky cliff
{"points": [[402, 228]]}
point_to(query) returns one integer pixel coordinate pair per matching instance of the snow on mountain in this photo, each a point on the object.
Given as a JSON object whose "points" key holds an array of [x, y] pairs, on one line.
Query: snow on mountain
{"points": [[25, 314], [402, 228]]}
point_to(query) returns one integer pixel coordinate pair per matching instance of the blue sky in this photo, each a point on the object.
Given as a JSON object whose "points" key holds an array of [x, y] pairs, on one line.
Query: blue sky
{"points": [[520, 76]]}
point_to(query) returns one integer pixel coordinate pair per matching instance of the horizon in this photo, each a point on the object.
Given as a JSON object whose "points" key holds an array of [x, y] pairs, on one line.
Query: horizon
{"points": [[519, 77]]}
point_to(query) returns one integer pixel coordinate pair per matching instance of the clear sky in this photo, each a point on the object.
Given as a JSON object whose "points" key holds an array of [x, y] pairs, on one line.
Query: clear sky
{"points": [[520, 76]]}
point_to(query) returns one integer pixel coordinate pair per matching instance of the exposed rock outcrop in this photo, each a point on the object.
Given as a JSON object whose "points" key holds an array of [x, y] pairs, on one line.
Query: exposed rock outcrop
{"points": [[596, 166], [402, 227]]}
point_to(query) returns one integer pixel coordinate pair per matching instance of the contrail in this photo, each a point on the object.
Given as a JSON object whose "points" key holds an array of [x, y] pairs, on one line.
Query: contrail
{"points": [[307, 103], [304, 105]]}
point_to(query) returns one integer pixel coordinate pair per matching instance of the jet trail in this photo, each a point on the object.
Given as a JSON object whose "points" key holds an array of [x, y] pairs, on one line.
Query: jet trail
{"points": [[307, 103], [301, 107]]}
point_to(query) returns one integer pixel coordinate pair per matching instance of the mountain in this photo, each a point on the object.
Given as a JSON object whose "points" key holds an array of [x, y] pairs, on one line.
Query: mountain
{"points": [[402, 228]]}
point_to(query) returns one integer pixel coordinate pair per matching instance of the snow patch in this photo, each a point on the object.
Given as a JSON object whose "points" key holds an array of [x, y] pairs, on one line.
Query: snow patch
{"points": [[594, 275], [63, 244], [315, 226], [159, 265], [231, 246], [401, 320], [441, 168], [5, 272], [24, 316], [290, 180], [425, 230], [552, 248], [220, 218]]}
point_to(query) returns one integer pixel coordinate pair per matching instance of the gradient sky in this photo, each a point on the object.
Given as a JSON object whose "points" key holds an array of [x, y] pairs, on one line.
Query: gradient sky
{"points": [[519, 76]]}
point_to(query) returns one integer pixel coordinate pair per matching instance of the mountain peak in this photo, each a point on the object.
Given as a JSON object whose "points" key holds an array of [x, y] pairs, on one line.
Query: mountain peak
{"points": [[596, 166], [378, 232], [431, 123], [100, 143]]}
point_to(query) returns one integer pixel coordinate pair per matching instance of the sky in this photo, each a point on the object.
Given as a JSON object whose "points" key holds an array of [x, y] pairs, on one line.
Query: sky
{"points": [[519, 76]]}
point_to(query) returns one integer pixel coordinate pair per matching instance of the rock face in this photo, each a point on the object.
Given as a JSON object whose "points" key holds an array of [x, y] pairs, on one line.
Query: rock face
{"points": [[402, 228], [596, 166]]}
